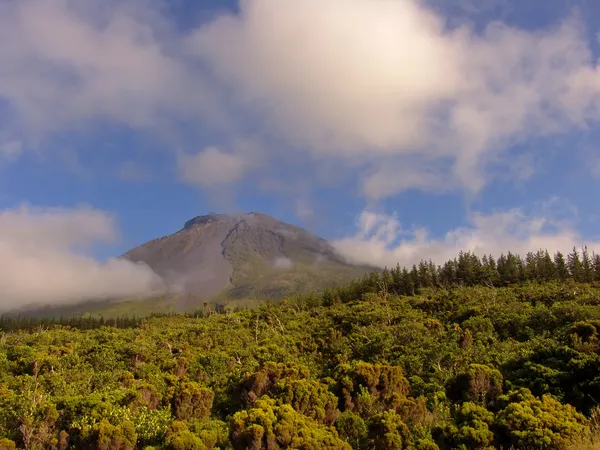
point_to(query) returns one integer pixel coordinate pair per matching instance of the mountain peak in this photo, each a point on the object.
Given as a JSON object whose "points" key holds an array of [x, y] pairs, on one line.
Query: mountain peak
{"points": [[207, 218], [243, 255], [216, 217]]}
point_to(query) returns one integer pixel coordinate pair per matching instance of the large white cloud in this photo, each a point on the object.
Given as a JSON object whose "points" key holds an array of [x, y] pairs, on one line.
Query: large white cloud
{"points": [[384, 80], [381, 240], [44, 259], [211, 167], [382, 86], [64, 63]]}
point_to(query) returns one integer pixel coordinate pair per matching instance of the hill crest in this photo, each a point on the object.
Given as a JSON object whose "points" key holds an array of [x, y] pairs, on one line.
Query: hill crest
{"points": [[248, 255]]}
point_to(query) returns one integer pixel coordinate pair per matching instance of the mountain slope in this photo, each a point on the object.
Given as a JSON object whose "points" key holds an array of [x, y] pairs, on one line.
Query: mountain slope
{"points": [[222, 257]]}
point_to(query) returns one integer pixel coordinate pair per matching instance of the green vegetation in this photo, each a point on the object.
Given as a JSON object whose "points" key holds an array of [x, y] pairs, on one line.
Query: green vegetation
{"points": [[476, 354]]}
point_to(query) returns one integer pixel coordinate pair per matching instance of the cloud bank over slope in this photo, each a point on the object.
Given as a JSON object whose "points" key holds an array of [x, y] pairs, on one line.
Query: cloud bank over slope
{"points": [[45, 260], [383, 242]]}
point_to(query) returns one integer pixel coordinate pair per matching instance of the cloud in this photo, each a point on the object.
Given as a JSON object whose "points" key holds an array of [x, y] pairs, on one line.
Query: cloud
{"points": [[211, 167], [594, 165], [381, 81], [385, 180], [131, 171], [368, 86], [66, 64], [303, 209], [281, 262], [10, 150], [381, 240], [44, 254]]}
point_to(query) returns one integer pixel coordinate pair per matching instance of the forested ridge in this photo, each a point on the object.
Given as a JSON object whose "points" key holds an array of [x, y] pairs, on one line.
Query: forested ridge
{"points": [[477, 353]]}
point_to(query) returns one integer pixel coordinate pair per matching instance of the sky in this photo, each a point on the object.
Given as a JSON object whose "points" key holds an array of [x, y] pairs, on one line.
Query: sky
{"points": [[400, 130]]}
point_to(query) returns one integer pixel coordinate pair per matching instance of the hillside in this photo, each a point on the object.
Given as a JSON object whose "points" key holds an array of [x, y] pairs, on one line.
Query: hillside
{"points": [[225, 258], [451, 363]]}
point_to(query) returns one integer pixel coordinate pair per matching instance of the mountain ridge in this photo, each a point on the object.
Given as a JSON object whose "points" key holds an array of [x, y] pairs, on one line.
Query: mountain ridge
{"points": [[245, 255], [231, 260]]}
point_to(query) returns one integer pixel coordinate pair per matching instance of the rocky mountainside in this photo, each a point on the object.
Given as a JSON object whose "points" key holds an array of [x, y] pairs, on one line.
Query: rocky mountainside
{"points": [[246, 256]]}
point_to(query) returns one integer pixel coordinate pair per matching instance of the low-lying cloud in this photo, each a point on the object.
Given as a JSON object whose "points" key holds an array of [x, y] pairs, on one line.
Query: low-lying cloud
{"points": [[282, 262], [45, 259], [382, 241]]}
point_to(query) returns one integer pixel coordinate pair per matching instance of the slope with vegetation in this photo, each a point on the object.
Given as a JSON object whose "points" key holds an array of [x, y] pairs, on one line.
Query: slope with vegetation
{"points": [[476, 354], [238, 260]]}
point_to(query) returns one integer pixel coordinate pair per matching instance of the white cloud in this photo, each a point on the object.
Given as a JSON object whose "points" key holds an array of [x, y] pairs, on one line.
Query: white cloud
{"points": [[281, 262], [381, 241], [372, 84], [45, 260], [10, 150], [64, 64], [211, 167], [385, 180], [303, 209], [385, 80]]}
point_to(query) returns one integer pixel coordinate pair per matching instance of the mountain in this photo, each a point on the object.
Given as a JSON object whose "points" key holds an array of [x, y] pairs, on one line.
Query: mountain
{"points": [[225, 258]]}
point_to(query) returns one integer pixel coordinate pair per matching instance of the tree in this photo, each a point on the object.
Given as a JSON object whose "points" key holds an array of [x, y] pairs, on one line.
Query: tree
{"points": [[480, 384], [352, 428], [471, 428], [587, 266], [366, 388], [596, 264], [269, 425], [192, 401], [529, 422], [574, 265], [388, 432], [562, 271]]}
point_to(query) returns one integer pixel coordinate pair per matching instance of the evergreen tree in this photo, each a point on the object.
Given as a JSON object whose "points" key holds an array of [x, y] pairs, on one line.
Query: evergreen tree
{"points": [[596, 263], [562, 271], [587, 267], [547, 267], [448, 273], [574, 265], [425, 277], [414, 278], [530, 267]]}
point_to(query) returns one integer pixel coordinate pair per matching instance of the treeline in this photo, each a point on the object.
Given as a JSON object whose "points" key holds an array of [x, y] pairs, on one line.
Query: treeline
{"points": [[85, 322], [11, 322], [468, 269]]}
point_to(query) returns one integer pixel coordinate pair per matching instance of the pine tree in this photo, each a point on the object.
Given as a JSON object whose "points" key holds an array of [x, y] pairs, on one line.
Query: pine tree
{"points": [[414, 280], [502, 264], [587, 266], [574, 265], [548, 269], [493, 270], [425, 278], [448, 273], [512, 269], [530, 267], [562, 271], [434, 270], [596, 262]]}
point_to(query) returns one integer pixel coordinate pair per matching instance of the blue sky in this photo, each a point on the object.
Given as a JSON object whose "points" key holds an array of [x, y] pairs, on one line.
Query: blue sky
{"points": [[398, 129]]}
